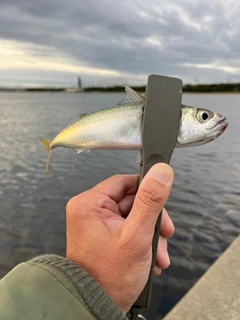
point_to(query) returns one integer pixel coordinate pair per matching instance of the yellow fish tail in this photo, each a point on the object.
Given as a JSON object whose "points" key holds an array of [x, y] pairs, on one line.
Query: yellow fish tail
{"points": [[46, 144]]}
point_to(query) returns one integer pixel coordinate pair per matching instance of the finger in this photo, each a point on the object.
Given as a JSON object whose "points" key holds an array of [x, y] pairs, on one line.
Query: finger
{"points": [[117, 186], [162, 258], [125, 204], [167, 228], [157, 271], [150, 199]]}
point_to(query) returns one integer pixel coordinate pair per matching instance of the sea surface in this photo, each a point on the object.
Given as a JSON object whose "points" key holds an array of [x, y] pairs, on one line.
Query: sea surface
{"points": [[204, 203]]}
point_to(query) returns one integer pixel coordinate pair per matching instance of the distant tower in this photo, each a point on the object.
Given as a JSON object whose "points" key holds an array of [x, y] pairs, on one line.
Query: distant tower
{"points": [[79, 83]]}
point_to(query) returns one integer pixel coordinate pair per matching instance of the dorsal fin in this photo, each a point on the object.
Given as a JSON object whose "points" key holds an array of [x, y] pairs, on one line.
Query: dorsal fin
{"points": [[132, 96], [81, 115]]}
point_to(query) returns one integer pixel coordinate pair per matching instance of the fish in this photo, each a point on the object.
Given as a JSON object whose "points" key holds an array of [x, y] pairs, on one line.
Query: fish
{"points": [[119, 127]]}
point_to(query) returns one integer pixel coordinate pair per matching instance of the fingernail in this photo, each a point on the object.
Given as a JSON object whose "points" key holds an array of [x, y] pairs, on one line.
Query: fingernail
{"points": [[168, 259], [162, 172]]}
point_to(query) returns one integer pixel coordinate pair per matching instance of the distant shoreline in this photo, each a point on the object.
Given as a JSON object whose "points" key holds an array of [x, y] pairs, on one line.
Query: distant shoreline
{"points": [[188, 88]]}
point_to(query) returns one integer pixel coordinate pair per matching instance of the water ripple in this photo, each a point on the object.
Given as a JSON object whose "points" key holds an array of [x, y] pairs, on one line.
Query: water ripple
{"points": [[204, 203]]}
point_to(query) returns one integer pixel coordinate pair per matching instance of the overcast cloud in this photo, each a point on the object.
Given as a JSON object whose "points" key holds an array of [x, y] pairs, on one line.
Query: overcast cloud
{"points": [[52, 42]]}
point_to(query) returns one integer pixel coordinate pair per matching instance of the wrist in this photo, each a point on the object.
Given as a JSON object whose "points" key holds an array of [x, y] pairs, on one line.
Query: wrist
{"points": [[86, 289]]}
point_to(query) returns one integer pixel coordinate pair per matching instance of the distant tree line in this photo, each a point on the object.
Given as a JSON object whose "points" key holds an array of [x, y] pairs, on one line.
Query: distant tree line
{"points": [[44, 89], [220, 87], [104, 89]]}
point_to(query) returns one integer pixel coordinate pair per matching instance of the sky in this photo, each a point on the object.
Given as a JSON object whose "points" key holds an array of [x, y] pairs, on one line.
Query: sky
{"points": [[109, 42]]}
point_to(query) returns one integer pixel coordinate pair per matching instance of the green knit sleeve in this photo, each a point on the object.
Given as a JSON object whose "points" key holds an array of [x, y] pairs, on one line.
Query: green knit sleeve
{"points": [[51, 287]]}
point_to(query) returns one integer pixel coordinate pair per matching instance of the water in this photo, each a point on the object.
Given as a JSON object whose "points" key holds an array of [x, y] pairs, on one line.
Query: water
{"points": [[204, 203]]}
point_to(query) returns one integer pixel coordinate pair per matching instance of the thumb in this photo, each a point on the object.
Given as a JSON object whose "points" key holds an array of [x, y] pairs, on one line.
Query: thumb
{"points": [[150, 199]]}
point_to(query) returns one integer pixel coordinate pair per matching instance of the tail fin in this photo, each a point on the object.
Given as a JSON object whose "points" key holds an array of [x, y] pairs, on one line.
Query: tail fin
{"points": [[46, 144]]}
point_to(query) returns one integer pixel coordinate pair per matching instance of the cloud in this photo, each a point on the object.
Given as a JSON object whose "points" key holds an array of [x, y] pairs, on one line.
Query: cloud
{"points": [[193, 40]]}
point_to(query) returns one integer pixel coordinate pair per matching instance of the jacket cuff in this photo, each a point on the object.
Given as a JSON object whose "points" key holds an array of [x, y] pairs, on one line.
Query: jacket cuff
{"points": [[96, 300]]}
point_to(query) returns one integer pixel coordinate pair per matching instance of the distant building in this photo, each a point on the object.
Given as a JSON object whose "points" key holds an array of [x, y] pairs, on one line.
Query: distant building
{"points": [[78, 88], [79, 83]]}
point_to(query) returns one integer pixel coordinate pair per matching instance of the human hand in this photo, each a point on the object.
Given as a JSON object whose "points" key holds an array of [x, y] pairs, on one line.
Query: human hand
{"points": [[110, 230]]}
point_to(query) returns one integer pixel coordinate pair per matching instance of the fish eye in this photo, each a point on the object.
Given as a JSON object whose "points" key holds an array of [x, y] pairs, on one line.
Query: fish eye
{"points": [[204, 115]]}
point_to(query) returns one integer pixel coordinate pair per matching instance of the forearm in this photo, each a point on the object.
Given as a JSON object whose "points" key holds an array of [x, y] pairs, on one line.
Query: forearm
{"points": [[56, 288]]}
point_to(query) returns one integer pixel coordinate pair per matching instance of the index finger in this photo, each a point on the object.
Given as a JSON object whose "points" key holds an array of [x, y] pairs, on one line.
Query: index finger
{"points": [[167, 227], [118, 186]]}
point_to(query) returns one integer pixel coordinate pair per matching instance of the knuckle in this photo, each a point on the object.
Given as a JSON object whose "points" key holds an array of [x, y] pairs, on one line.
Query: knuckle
{"points": [[101, 201], [117, 176], [152, 197], [70, 204], [74, 204]]}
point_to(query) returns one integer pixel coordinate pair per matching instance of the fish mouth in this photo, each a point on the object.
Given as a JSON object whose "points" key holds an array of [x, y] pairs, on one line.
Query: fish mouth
{"points": [[221, 126], [223, 129]]}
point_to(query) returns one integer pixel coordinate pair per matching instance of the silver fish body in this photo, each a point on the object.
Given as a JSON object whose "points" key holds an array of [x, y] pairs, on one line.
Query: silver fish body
{"points": [[120, 127], [113, 128]]}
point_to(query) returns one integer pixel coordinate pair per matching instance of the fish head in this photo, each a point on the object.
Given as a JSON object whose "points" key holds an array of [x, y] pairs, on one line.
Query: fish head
{"points": [[199, 126]]}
